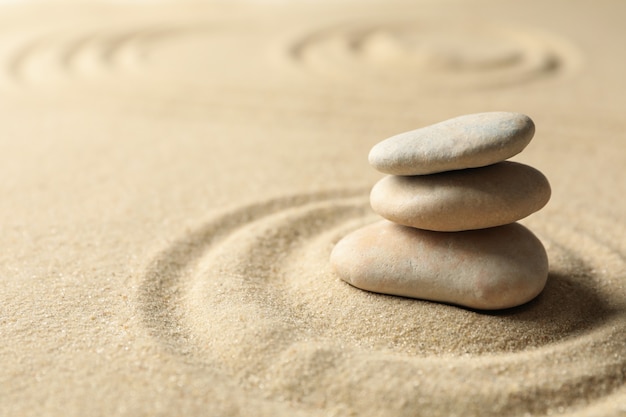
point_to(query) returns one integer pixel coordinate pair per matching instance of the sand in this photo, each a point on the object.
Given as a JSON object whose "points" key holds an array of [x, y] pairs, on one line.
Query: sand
{"points": [[174, 177]]}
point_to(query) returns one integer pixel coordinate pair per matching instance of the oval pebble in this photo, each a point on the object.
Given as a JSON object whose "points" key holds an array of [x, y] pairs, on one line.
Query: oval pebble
{"points": [[467, 141], [493, 268], [462, 200]]}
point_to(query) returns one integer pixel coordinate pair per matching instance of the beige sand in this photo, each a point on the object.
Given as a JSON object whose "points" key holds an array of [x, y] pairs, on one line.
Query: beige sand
{"points": [[174, 177]]}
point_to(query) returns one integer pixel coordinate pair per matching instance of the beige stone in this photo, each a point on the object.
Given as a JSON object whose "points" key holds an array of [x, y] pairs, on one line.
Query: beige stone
{"points": [[462, 200], [467, 141], [491, 268]]}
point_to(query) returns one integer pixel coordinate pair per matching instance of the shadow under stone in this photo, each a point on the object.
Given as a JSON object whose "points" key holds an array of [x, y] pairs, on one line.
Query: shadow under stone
{"points": [[568, 304]]}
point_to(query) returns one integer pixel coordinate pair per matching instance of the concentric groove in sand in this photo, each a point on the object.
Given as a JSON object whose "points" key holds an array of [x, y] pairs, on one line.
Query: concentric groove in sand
{"points": [[70, 54], [426, 54], [422, 53], [165, 276], [242, 294]]}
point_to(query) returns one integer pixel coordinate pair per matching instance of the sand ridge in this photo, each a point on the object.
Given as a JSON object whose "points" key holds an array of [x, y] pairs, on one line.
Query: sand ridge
{"points": [[288, 322]]}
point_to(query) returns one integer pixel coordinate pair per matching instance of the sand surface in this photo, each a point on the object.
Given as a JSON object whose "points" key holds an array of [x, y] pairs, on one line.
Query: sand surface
{"points": [[174, 177]]}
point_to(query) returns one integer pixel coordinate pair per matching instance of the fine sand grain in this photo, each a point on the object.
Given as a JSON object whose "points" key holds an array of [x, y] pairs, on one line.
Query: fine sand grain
{"points": [[175, 176]]}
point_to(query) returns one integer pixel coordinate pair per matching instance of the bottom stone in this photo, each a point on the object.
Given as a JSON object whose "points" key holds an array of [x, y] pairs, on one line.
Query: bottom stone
{"points": [[492, 268]]}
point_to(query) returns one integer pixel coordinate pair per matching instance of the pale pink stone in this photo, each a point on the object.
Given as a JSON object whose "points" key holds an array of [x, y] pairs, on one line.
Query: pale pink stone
{"points": [[493, 268], [462, 200]]}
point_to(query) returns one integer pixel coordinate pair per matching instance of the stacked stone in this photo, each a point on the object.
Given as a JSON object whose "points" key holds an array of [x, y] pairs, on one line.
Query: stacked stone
{"points": [[451, 204]]}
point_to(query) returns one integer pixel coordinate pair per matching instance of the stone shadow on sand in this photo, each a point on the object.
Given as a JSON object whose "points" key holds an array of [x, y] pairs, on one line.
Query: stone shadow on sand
{"points": [[568, 304]]}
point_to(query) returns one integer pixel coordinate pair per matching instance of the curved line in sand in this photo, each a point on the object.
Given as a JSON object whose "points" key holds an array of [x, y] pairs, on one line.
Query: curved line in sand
{"points": [[400, 52], [79, 54], [224, 296], [410, 53], [162, 276]]}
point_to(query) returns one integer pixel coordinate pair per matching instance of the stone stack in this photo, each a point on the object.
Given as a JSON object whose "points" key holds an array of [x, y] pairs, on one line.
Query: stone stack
{"points": [[450, 204]]}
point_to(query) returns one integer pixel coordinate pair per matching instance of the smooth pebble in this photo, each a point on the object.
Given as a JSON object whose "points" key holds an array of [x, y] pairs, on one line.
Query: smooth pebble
{"points": [[493, 268], [467, 141], [462, 200]]}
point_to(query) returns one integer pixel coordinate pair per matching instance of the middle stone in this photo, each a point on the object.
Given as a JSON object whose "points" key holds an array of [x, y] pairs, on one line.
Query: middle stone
{"points": [[467, 199]]}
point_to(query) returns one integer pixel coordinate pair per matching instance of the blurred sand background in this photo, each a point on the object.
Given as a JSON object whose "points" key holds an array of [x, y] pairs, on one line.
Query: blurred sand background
{"points": [[173, 177]]}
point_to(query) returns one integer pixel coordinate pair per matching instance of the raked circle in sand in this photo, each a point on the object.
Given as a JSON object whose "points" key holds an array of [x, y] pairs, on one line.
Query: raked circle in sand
{"points": [[388, 53], [283, 336]]}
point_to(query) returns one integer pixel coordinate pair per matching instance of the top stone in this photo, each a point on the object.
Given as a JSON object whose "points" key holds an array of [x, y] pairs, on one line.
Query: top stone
{"points": [[469, 141]]}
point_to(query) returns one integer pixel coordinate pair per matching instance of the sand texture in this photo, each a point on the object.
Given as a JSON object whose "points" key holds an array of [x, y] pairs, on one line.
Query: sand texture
{"points": [[175, 175]]}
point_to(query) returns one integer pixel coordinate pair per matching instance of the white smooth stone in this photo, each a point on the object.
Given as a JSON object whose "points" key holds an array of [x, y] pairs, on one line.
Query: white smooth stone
{"points": [[468, 141], [493, 268], [462, 200]]}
